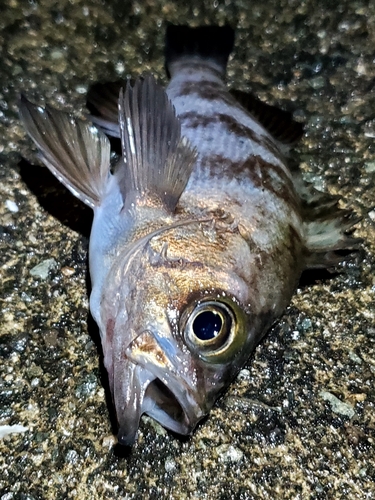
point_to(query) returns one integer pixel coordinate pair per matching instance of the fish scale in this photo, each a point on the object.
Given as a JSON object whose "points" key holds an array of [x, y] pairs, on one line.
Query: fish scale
{"points": [[200, 233], [211, 126], [224, 134]]}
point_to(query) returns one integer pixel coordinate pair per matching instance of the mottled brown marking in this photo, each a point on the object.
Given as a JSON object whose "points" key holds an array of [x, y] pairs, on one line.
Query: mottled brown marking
{"points": [[194, 119], [110, 328], [286, 256], [294, 245], [281, 186], [209, 90], [288, 253], [238, 128], [176, 263], [147, 344]]}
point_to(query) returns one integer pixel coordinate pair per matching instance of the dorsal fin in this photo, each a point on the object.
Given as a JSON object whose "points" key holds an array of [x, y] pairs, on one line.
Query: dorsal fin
{"points": [[75, 151], [158, 160], [277, 122]]}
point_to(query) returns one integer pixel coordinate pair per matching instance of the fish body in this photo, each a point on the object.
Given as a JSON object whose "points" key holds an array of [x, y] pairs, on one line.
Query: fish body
{"points": [[200, 233]]}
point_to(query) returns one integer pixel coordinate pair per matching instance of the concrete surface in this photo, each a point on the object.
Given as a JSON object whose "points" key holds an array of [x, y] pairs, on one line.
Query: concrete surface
{"points": [[299, 422]]}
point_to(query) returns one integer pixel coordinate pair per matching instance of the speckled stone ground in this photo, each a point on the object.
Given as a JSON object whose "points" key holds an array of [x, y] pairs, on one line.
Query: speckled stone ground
{"points": [[299, 421]]}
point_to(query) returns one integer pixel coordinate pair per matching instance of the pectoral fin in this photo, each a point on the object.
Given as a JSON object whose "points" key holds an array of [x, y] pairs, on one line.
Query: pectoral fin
{"points": [[75, 151], [328, 228]]}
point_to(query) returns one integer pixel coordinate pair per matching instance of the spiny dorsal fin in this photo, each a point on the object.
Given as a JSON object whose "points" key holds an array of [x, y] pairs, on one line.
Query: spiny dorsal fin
{"points": [[75, 151], [278, 122], [158, 161]]}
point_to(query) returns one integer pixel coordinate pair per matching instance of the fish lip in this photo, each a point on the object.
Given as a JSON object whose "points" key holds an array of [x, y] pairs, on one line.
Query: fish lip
{"points": [[168, 390]]}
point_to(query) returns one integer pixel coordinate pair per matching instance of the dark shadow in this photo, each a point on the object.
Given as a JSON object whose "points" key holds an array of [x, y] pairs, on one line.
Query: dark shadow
{"points": [[124, 451], [115, 145], [185, 438], [56, 199], [121, 451], [61, 204], [314, 276]]}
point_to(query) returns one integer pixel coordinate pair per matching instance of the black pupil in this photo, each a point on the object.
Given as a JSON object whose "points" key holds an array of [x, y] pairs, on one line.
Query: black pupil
{"points": [[207, 325]]}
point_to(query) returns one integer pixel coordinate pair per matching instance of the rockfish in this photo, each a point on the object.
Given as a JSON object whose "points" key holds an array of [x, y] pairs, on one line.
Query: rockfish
{"points": [[200, 232]]}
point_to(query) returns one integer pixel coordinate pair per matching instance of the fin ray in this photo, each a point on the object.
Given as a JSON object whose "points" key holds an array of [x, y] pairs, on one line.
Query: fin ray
{"points": [[158, 160], [328, 228], [75, 151]]}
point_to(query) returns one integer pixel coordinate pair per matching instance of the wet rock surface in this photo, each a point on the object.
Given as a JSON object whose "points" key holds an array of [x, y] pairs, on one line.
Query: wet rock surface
{"points": [[299, 420]]}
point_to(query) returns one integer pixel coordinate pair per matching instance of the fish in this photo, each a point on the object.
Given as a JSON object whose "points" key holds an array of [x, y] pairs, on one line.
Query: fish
{"points": [[201, 231]]}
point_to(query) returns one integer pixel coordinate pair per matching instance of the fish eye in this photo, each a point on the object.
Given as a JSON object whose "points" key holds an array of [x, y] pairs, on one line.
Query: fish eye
{"points": [[209, 326]]}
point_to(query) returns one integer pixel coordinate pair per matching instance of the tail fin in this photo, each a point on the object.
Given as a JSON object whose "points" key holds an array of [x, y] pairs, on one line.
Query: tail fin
{"points": [[212, 43]]}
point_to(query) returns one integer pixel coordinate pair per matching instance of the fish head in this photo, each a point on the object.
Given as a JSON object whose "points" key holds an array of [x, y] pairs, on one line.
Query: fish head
{"points": [[177, 325]]}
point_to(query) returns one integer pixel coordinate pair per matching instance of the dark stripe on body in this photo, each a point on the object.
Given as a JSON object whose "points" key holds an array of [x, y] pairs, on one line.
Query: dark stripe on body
{"points": [[192, 119], [207, 90], [256, 171], [210, 91], [191, 67]]}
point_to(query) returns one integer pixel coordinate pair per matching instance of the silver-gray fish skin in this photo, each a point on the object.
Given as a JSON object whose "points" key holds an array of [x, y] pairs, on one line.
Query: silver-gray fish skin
{"points": [[199, 236]]}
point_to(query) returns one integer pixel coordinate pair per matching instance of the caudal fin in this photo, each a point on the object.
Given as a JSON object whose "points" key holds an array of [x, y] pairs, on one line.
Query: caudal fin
{"points": [[213, 43]]}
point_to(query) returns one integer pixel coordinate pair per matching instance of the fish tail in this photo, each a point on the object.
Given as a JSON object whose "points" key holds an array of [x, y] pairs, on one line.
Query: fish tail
{"points": [[211, 44]]}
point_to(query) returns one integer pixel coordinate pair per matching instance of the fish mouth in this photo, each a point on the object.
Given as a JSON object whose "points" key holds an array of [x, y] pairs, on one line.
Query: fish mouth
{"points": [[159, 388]]}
